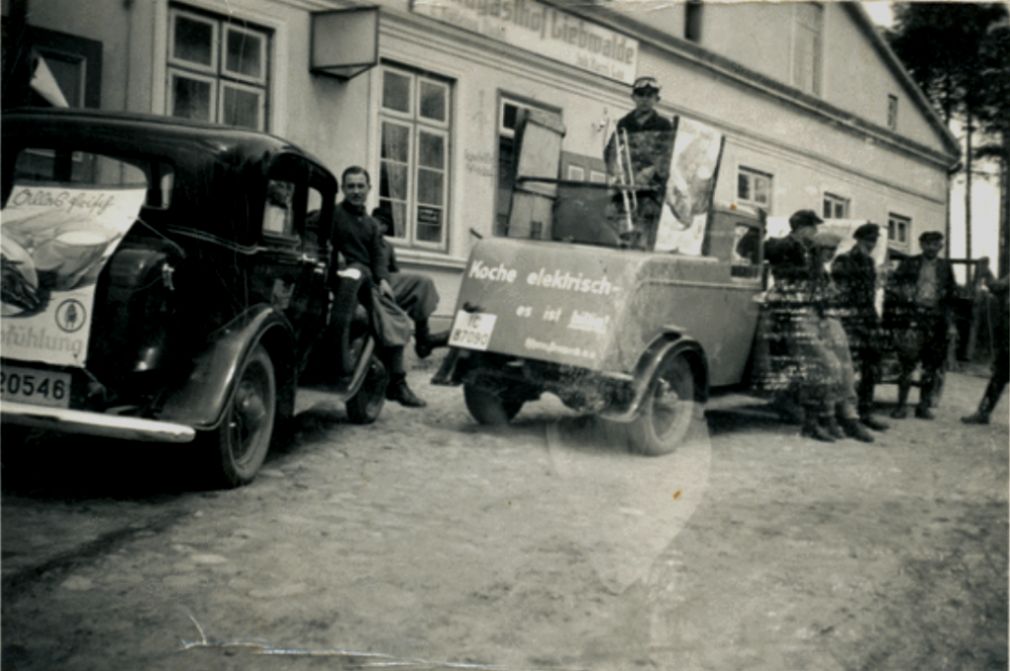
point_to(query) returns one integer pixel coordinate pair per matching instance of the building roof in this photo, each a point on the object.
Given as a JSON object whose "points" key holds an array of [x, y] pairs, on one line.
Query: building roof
{"points": [[722, 65]]}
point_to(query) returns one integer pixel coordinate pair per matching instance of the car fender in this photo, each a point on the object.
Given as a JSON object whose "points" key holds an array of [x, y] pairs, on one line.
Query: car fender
{"points": [[671, 341], [199, 401]]}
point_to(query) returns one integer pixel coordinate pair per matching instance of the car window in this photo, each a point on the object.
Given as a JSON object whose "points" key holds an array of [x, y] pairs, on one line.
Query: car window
{"points": [[279, 213], [42, 166], [746, 251]]}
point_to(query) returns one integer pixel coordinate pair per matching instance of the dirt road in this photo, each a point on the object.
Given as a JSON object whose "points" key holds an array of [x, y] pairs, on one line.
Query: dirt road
{"points": [[425, 542]]}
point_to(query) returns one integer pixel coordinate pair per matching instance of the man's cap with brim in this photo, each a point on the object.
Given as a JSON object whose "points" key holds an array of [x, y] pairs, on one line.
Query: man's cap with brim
{"points": [[646, 83], [867, 232], [931, 236], [804, 218]]}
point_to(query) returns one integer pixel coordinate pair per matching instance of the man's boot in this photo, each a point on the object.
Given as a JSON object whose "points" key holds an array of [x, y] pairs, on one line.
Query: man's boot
{"points": [[901, 412], [425, 341], [855, 429], [830, 424], [397, 390], [812, 428], [985, 406], [869, 421]]}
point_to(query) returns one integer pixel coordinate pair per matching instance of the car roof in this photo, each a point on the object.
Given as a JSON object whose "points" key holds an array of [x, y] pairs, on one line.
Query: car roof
{"points": [[137, 131]]}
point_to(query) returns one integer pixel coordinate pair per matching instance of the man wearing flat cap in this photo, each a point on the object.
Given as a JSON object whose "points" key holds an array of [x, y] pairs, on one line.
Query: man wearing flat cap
{"points": [[920, 298], [649, 139], [789, 257], [855, 276]]}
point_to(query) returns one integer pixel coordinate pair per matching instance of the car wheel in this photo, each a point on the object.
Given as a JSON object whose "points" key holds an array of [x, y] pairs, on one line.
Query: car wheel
{"points": [[243, 438], [365, 406], [488, 407], [667, 411]]}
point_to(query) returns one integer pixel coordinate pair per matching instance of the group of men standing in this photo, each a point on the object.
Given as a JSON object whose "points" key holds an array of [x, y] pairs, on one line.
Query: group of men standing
{"points": [[818, 362]]}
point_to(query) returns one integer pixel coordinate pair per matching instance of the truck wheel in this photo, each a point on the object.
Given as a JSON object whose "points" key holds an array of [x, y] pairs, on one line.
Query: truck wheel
{"points": [[242, 440], [667, 410], [489, 408], [365, 406]]}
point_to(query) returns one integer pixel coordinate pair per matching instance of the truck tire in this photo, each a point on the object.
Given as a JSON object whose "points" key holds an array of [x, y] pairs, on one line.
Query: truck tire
{"points": [[489, 408], [667, 411], [241, 442], [366, 405]]}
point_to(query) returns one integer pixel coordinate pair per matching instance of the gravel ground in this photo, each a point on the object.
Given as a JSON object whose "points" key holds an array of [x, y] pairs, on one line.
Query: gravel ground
{"points": [[426, 542]]}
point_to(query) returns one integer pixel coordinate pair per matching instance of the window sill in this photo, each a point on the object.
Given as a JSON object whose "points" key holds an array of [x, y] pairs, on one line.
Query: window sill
{"points": [[406, 255]]}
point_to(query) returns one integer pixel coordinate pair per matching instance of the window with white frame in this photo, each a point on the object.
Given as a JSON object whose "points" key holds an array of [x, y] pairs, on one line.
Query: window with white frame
{"points": [[808, 20], [754, 187], [835, 207], [415, 128], [508, 114], [898, 228], [217, 69]]}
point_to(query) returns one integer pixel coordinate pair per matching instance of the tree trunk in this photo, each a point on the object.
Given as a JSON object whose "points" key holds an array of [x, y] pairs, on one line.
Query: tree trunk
{"points": [[1004, 208], [967, 189]]}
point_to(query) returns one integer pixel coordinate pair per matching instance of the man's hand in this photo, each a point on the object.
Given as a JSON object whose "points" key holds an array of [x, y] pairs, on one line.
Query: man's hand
{"points": [[386, 289]]}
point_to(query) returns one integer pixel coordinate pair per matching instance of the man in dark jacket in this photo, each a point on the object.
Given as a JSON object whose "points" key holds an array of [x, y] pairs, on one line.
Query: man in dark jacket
{"points": [[921, 292], [855, 277], [649, 141], [359, 238], [1001, 363]]}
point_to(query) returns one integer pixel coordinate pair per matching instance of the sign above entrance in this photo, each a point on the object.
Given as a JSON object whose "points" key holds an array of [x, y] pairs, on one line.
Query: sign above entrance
{"points": [[543, 30]]}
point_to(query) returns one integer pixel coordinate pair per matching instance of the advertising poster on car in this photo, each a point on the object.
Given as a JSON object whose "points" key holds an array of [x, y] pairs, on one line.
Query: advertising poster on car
{"points": [[55, 243], [551, 303], [694, 168]]}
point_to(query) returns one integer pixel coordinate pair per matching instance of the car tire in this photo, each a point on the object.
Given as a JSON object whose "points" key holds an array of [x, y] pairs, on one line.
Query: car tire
{"points": [[668, 410], [242, 440], [489, 408], [366, 405]]}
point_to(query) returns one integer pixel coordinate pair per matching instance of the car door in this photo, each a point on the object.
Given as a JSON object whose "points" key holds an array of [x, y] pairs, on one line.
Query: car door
{"points": [[292, 257]]}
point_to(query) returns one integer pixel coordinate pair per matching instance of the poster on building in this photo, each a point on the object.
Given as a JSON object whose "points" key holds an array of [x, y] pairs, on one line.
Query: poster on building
{"points": [[536, 303], [55, 243], [694, 169]]}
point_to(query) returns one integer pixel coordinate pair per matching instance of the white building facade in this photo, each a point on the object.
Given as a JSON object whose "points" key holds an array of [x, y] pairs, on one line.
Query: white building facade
{"points": [[815, 109]]}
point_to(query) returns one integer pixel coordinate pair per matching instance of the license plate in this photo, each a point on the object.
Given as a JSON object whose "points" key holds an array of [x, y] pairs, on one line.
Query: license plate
{"points": [[39, 387], [472, 330]]}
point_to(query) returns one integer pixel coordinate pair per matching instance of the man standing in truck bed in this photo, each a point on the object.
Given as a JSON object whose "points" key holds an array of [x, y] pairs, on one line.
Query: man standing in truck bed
{"points": [[648, 138]]}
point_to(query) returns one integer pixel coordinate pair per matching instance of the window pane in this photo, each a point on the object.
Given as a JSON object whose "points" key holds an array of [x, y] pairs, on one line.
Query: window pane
{"points": [[742, 187], [194, 41], [826, 213], [392, 181], [395, 142], [433, 101], [761, 188], [191, 98], [241, 108], [68, 71], [244, 54], [429, 187], [395, 91], [509, 116], [429, 223], [431, 152], [399, 216]]}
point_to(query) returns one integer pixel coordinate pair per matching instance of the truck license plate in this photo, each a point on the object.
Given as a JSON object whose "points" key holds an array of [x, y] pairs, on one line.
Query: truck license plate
{"points": [[472, 330], [39, 387]]}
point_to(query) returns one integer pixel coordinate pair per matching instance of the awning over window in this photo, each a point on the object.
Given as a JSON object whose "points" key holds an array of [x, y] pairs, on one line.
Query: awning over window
{"points": [[45, 84], [345, 42]]}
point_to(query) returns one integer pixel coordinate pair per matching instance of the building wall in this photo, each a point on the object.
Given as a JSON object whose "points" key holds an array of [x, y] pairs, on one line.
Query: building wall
{"points": [[807, 152]]}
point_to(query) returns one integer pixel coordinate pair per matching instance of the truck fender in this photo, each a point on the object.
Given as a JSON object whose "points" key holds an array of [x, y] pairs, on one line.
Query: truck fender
{"points": [[199, 401], [670, 342]]}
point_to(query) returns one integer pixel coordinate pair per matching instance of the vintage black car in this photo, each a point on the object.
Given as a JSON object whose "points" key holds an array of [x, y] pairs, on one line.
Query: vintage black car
{"points": [[172, 281]]}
